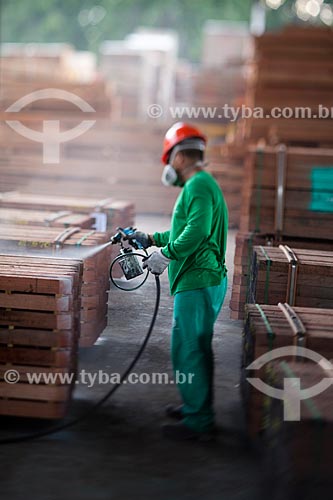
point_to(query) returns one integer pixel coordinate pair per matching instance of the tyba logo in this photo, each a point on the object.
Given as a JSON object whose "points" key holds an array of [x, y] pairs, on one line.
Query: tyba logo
{"points": [[51, 137], [291, 394]]}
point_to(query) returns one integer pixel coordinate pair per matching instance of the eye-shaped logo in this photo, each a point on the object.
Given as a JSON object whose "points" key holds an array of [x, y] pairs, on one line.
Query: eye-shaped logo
{"points": [[291, 394], [51, 137]]}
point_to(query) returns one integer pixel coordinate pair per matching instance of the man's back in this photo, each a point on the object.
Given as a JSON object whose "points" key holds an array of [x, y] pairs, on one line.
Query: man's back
{"points": [[199, 235]]}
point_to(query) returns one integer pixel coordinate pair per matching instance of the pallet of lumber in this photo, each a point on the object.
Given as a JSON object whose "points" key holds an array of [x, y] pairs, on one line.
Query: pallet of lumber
{"points": [[309, 132], [40, 303], [111, 213], [291, 68], [290, 88], [96, 258], [37, 63], [288, 192], [269, 327], [121, 160], [95, 288], [304, 444], [243, 260], [115, 157], [286, 198], [298, 276], [56, 96], [45, 218]]}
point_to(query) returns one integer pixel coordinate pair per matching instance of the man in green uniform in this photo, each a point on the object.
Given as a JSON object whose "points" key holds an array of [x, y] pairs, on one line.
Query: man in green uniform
{"points": [[194, 252]]}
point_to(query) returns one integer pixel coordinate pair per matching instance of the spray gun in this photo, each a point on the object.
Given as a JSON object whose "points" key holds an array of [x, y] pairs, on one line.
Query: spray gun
{"points": [[128, 259]]}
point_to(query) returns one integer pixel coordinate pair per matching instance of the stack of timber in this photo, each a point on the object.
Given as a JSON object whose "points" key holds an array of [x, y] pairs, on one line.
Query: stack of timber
{"points": [[96, 262], [286, 198], [35, 62], [243, 261], [39, 332], [291, 70], [288, 192], [115, 157], [124, 162], [215, 88], [63, 99], [269, 327], [84, 165], [109, 214], [58, 219], [300, 277], [94, 290], [304, 444]]}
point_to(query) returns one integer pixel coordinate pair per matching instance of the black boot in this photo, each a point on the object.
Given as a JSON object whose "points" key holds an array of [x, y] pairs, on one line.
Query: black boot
{"points": [[174, 412]]}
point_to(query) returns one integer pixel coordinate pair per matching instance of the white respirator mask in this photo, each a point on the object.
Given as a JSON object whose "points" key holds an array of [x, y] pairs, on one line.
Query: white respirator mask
{"points": [[170, 176]]}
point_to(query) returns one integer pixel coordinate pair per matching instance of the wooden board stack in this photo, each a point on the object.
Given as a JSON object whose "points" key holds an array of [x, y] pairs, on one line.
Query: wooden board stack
{"points": [[288, 192], [96, 262], [45, 218], [35, 62], [39, 332], [286, 201], [243, 260], [94, 290], [287, 198], [117, 157], [300, 277], [291, 69], [64, 107], [123, 160], [96, 267], [312, 329], [112, 213], [111, 157]]}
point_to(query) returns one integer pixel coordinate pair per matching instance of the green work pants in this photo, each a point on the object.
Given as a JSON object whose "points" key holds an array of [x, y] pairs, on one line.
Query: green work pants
{"points": [[194, 315]]}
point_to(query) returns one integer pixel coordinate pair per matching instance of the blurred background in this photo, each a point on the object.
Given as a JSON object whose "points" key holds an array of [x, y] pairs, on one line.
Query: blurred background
{"points": [[87, 91], [155, 63]]}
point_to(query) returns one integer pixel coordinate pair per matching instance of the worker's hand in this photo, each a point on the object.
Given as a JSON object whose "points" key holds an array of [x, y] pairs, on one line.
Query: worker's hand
{"points": [[156, 263], [143, 238]]}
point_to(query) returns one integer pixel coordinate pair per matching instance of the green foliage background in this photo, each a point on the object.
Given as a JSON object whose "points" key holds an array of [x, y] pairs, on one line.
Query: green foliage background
{"points": [[57, 20]]}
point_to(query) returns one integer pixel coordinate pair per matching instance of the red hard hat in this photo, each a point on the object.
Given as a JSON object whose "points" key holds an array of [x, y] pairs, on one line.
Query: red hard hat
{"points": [[178, 133]]}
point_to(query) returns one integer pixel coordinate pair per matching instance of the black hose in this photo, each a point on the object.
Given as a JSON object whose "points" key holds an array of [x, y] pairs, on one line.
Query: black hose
{"points": [[60, 427]]}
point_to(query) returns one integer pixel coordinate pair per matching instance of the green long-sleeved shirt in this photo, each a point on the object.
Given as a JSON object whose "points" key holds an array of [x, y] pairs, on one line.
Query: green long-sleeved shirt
{"points": [[196, 241]]}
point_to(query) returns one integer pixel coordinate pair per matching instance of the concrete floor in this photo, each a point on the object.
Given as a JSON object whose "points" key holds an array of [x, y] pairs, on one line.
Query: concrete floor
{"points": [[118, 453]]}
